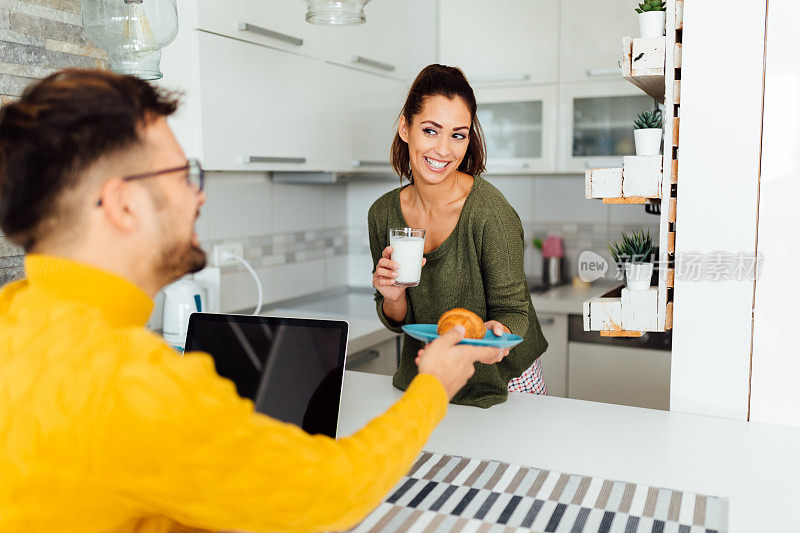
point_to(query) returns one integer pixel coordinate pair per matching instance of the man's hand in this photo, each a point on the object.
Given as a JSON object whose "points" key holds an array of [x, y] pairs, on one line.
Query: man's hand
{"points": [[451, 364]]}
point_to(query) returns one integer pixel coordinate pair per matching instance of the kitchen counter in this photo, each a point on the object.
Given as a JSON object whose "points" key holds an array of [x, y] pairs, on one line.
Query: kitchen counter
{"points": [[567, 299], [357, 307], [754, 465]]}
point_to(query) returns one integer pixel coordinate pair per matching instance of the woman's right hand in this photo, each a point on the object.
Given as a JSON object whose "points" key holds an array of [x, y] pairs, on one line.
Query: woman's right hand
{"points": [[385, 274]]}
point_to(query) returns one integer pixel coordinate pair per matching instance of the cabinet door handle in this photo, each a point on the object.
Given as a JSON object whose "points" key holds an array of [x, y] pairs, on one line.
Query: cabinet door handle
{"points": [[357, 361], [269, 159], [547, 321], [599, 72], [363, 163], [252, 28], [361, 60], [502, 79]]}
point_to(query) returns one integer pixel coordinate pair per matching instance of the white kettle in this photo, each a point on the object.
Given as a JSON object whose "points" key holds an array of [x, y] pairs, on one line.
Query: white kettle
{"points": [[181, 299]]}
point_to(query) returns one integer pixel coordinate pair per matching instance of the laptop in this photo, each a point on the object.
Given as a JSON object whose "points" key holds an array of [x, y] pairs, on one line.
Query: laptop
{"points": [[291, 368]]}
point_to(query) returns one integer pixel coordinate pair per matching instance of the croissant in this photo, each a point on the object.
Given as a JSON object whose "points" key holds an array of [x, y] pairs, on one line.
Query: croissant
{"points": [[472, 323]]}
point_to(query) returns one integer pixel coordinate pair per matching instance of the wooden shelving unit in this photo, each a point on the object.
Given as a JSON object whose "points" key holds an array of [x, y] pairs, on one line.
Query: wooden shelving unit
{"points": [[653, 65], [637, 182]]}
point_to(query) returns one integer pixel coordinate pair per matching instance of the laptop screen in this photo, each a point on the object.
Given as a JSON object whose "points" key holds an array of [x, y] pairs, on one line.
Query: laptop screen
{"points": [[291, 368]]}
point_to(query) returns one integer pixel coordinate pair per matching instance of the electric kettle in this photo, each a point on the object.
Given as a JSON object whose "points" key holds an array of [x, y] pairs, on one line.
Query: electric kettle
{"points": [[181, 299]]}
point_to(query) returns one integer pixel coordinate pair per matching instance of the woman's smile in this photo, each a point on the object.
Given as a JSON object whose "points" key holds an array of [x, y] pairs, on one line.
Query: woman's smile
{"points": [[435, 165]]}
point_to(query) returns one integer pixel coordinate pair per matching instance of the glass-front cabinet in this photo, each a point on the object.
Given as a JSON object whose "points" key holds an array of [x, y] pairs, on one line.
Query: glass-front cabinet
{"points": [[519, 125], [596, 123]]}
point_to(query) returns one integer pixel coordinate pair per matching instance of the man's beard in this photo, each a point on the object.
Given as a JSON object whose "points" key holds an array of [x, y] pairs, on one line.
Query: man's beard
{"points": [[178, 258]]}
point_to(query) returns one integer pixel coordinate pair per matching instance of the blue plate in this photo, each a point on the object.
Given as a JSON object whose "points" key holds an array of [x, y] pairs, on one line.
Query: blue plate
{"points": [[427, 332]]}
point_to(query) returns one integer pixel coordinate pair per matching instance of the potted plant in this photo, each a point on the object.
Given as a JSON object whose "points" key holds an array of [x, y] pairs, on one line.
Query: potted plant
{"points": [[652, 16], [647, 132], [634, 252]]}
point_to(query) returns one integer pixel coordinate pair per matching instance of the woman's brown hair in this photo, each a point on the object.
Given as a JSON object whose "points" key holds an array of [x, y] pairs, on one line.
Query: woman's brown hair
{"points": [[450, 82]]}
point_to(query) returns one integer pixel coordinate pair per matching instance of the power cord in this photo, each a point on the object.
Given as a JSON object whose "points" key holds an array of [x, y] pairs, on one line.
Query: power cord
{"points": [[225, 255]]}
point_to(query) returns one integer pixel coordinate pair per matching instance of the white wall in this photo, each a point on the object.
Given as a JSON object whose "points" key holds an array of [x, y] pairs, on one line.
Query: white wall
{"points": [[775, 395], [252, 209], [720, 132]]}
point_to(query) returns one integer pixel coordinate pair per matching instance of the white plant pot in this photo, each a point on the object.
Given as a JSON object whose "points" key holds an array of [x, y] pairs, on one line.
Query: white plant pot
{"points": [[648, 141], [638, 275], [651, 23]]}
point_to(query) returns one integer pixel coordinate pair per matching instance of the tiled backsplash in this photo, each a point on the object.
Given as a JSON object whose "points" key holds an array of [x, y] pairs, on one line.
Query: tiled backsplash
{"points": [[287, 248], [37, 37], [294, 236]]}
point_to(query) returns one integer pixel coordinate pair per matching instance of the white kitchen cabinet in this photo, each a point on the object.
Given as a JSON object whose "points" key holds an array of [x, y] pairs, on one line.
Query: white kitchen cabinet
{"points": [[385, 44], [626, 376], [519, 125], [374, 103], [258, 102], [554, 360], [514, 41], [276, 23], [591, 37], [378, 359], [262, 109], [596, 123], [382, 44], [257, 108]]}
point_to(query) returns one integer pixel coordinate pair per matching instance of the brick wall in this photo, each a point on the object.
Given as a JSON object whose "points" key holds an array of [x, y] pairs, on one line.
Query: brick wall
{"points": [[38, 37]]}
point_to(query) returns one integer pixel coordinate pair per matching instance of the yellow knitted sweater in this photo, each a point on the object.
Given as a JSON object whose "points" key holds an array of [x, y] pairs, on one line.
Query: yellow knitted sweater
{"points": [[105, 428]]}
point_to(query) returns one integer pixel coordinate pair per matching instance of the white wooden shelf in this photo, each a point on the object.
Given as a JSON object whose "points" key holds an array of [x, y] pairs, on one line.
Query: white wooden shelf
{"points": [[643, 64], [622, 312], [653, 65], [638, 181]]}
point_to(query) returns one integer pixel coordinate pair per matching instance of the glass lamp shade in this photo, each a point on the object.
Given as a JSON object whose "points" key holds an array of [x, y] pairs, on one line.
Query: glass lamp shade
{"points": [[336, 12], [133, 32]]}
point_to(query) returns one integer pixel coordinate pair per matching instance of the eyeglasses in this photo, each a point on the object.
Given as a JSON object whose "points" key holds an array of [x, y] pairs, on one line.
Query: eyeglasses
{"points": [[195, 175]]}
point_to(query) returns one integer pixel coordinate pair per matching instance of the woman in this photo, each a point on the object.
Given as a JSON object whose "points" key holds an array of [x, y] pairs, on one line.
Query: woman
{"points": [[473, 242]]}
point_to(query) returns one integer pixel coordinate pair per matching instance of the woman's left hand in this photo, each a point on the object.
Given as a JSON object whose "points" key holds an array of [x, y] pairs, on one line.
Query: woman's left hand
{"points": [[498, 329]]}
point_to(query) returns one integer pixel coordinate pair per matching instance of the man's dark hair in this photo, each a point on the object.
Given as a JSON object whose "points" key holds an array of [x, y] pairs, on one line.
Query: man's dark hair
{"points": [[58, 128], [450, 82]]}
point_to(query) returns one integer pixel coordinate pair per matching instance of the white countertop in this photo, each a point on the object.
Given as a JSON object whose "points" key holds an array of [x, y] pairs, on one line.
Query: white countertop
{"points": [[567, 299], [357, 307], [756, 466]]}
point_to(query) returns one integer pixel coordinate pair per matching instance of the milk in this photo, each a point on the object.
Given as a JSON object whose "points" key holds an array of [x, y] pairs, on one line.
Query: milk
{"points": [[407, 252]]}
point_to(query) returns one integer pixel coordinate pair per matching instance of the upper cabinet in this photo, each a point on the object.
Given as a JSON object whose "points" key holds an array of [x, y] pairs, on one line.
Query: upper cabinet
{"points": [[596, 123], [249, 122], [265, 90], [383, 45], [519, 125], [276, 23], [513, 44], [591, 36]]}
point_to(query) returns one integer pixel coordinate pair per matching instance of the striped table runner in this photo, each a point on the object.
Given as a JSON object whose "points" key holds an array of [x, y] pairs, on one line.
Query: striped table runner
{"points": [[444, 493]]}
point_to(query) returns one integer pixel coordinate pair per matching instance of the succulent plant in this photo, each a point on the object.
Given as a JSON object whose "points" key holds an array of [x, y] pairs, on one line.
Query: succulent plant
{"points": [[634, 248], [647, 119], [651, 5]]}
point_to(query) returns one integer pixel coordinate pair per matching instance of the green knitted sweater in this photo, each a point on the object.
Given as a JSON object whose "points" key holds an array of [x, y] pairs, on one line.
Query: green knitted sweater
{"points": [[478, 267]]}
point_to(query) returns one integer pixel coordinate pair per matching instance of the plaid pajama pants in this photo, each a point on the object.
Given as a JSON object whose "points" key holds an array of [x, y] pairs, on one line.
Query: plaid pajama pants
{"points": [[531, 381]]}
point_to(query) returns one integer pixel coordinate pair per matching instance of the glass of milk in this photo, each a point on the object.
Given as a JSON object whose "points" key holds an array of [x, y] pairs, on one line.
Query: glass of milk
{"points": [[408, 245]]}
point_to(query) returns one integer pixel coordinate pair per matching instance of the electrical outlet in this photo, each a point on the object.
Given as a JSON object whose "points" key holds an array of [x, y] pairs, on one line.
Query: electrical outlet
{"points": [[234, 248]]}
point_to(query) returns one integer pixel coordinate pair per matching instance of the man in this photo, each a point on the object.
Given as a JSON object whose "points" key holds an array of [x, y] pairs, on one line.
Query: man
{"points": [[104, 428]]}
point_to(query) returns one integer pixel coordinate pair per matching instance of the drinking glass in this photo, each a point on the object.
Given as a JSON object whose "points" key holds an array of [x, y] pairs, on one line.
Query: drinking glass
{"points": [[408, 245]]}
